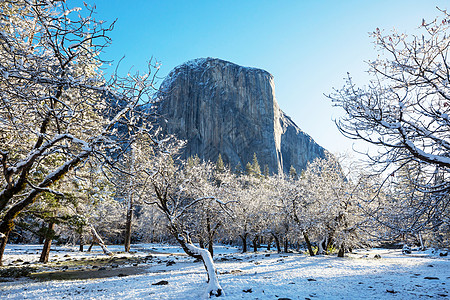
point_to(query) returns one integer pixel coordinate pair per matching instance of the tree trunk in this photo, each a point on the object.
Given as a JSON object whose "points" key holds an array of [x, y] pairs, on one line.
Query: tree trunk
{"points": [[41, 233], [210, 248], [422, 245], [322, 247], [277, 242], [213, 288], [81, 242], [286, 244], [255, 243], [211, 234], [268, 243], [308, 243], [90, 247], [244, 243], [4, 240], [98, 239], [201, 242], [47, 243], [341, 250], [128, 224]]}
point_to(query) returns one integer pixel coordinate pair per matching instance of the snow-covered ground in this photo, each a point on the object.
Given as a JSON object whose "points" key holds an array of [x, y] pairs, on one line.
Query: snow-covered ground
{"points": [[264, 275]]}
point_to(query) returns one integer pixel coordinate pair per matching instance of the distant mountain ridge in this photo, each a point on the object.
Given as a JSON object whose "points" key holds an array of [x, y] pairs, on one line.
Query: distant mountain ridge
{"points": [[220, 107]]}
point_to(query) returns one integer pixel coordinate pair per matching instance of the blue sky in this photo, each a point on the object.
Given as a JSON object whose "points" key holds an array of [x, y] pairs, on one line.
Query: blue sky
{"points": [[308, 46]]}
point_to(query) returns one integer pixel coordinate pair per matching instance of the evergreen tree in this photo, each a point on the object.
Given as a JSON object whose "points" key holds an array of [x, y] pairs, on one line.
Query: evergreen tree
{"points": [[255, 166], [266, 170], [196, 160], [238, 169], [190, 162], [292, 172], [220, 167], [249, 169]]}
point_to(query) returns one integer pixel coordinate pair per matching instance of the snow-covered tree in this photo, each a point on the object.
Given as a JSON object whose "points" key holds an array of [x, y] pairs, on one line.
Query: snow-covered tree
{"points": [[94, 211], [56, 109], [208, 218], [127, 189], [247, 219], [322, 205], [335, 208], [404, 111], [298, 203], [278, 222], [398, 208], [220, 166], [188, 196]]}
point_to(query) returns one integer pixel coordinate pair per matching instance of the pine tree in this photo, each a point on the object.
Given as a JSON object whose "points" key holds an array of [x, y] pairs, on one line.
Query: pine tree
{"points": [[266, 170], [190, 161], [249, 169], [238, 169], [220, 167], [255, 166], [292, 172]]}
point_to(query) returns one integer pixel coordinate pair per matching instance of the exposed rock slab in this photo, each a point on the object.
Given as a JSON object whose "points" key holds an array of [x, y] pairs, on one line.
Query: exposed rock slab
{"points": [[221, 107]]}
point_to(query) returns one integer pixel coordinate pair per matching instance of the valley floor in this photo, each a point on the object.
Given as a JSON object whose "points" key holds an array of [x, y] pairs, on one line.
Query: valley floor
{"points": [[163, 272]]}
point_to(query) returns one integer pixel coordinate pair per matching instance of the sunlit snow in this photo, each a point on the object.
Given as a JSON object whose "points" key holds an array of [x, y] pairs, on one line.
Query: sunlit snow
{"points": [[261, 275]]}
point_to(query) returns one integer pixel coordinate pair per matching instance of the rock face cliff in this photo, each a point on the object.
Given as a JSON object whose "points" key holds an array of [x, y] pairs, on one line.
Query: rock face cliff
{"points": [[220, 107]]}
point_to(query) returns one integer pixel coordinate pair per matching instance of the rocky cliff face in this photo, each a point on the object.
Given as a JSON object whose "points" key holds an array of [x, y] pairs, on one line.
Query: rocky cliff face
{"points": [[220, 107]]}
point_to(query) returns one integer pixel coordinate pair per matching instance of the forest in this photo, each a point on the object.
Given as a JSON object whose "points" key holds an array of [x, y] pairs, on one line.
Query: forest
{"points": [[83, 164]]}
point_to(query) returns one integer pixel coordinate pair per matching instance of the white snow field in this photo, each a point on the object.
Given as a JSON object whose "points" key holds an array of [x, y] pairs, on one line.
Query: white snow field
{"points": [[261, 275]]}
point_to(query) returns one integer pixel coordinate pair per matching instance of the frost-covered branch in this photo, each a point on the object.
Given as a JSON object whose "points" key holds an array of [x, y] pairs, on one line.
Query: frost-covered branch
{"points": [[404, 111], [57, 111]]}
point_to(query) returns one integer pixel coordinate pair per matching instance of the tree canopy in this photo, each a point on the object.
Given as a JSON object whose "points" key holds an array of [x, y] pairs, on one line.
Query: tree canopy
{"points": [[404, 111]]}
